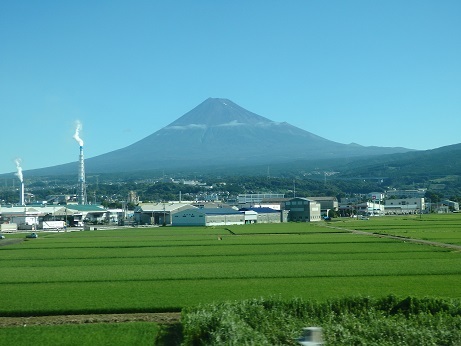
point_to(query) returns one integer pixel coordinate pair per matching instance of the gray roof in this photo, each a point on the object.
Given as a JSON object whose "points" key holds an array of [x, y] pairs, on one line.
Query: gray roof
{"points": [[160, 207], [219, 211]]}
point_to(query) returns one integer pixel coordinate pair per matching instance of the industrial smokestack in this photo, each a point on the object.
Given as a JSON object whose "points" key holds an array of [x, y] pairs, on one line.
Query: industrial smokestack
{"points": [[81, 178], [81, 166], [21, 195], [21, 179]]}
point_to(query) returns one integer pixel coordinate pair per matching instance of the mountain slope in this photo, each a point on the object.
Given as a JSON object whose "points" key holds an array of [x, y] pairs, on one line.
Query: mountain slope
{"points": [[219, 131], [435, 162]]}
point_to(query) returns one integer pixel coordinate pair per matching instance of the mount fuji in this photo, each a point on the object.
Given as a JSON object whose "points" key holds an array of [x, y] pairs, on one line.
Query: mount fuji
{"points": [[220, 132]]}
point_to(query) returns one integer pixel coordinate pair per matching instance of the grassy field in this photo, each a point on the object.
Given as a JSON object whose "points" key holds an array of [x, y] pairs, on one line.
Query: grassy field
{"points": [[167, 269]]}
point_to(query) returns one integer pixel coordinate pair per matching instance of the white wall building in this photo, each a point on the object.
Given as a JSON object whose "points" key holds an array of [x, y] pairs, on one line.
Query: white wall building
{"points": [[397, 206], [209, 217]]}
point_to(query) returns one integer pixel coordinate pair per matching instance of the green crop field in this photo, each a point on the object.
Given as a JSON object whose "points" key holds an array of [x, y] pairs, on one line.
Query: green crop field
{"points": [[167, 269], [139, 333], [445, 228], [180, 269]]}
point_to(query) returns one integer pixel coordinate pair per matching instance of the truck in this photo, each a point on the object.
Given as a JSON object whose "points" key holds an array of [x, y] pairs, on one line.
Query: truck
{"points": [[53, 225]]}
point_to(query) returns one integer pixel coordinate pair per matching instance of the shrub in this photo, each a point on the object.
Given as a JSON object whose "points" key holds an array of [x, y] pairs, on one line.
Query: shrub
{"points": [[353, 321]]}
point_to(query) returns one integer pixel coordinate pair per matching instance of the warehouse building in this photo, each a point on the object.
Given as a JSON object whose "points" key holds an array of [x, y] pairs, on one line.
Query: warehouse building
{"points": [[302, 210], [208, 217], [326, 204], [267, 215], [413, 205], [33, 216], [158, 213]]}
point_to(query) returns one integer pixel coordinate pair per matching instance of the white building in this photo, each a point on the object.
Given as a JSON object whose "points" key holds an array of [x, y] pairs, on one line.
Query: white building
{"points": [[414, 205], [32, 216], [209, 217]]}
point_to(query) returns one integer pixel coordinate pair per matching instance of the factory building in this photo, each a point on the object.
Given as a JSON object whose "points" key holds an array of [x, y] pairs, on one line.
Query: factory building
{"points": [[326, 204], [157, 213], [210, 217], [33, 217], [453, 206], [302, 210], [414, 205], [363, 208], [255, 199], [227, 216], [273, 203], [268, 215]]}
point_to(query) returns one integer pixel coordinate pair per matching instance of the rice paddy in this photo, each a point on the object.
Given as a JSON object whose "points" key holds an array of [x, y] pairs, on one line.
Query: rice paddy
{"points": [[167, 269]]}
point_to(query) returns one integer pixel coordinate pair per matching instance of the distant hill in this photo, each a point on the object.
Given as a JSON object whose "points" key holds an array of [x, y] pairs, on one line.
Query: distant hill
{"points": [[441, 161], [220, 132]]}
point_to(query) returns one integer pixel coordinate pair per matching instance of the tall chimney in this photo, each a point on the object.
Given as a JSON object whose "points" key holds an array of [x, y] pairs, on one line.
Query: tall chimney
{"points": [[21, 179], [81, 179], [21, 195]]}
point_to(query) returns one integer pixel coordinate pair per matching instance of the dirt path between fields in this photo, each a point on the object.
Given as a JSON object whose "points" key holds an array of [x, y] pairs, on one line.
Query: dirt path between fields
{"points": [[160, 318], [404, 239]]}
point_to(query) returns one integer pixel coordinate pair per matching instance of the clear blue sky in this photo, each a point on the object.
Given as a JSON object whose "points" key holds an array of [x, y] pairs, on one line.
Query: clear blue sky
{"points": [[384, 73]]}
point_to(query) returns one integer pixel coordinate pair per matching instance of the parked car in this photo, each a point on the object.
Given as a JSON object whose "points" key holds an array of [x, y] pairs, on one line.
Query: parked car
{"points": [[32, 235]]}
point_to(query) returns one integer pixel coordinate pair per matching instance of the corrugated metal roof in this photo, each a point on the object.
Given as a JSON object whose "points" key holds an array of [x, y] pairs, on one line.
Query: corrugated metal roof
{"points": [[85, 207], [323, 198], [264, 210], [158, 207], [219, 211]]}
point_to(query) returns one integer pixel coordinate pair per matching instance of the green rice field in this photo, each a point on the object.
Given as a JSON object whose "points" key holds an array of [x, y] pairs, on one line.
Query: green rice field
{"points": [[139, 333], [443, 228], [168, 269]]}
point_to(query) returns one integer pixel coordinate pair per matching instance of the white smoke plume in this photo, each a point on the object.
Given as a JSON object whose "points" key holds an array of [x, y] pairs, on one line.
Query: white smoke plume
{"points": [[77, 133], [19, 170]]}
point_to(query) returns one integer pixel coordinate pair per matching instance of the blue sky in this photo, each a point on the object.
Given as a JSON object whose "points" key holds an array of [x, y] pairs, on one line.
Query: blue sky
{"points": [[383, 73]]}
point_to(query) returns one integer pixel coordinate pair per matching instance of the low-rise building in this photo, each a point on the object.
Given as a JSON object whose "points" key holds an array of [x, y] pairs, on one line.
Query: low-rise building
{"points": [[256, 199], [268, 215], [32, 216], [302, 210], [403, 194], [158, 213], [453, 206], [326, 204], [208, 217], [273, 203], [397, 206]]}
